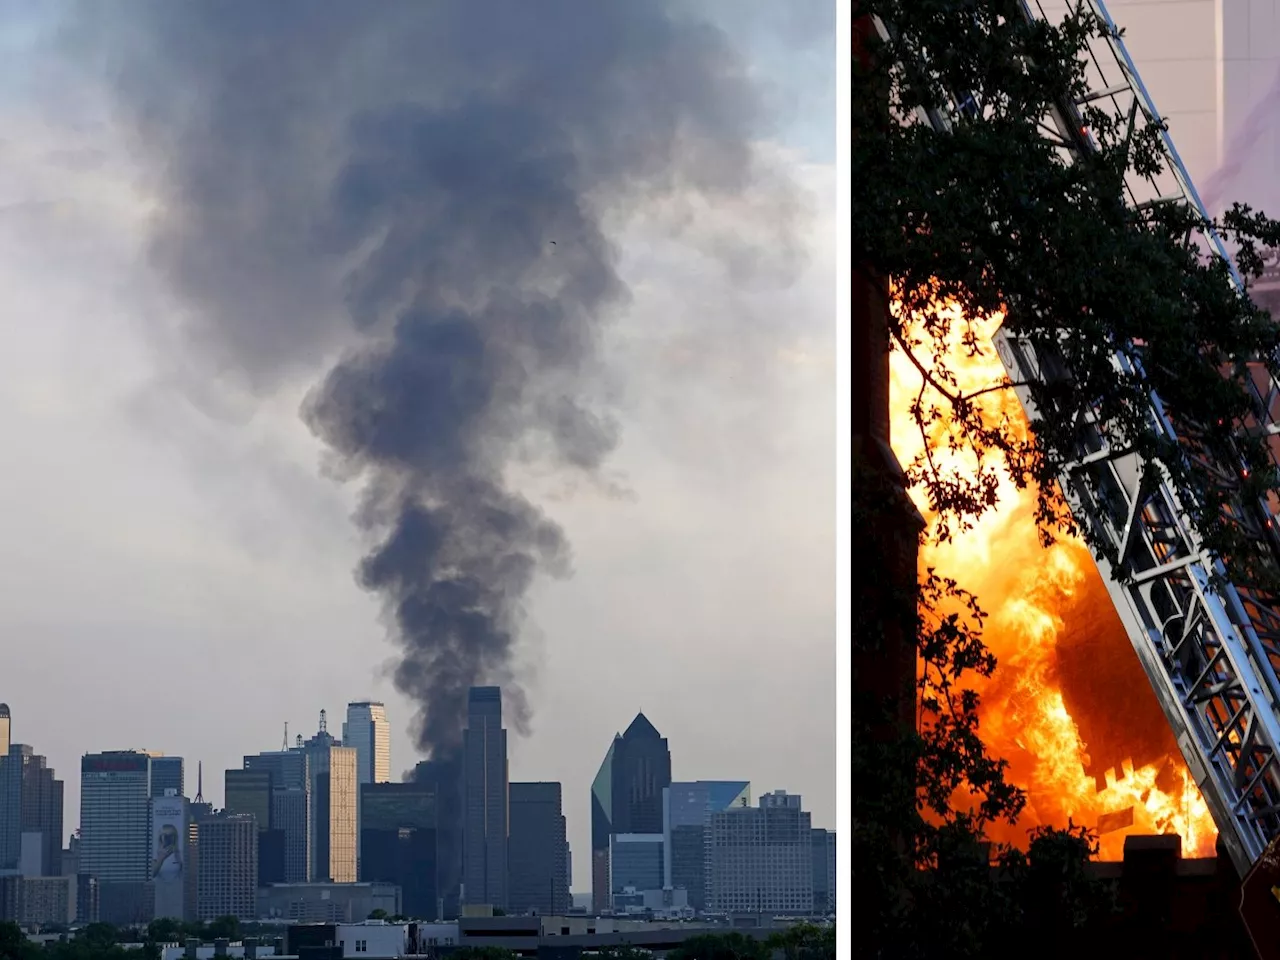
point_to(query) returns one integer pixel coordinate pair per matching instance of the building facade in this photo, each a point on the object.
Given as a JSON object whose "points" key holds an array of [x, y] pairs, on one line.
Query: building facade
{"points": [[537, 857], [42, 795], [824, 872], [167, 773], [291, 816], [760, 859], [626, 797], [170, 857], [333, 812], [227, 883], [10, 807], [637, 864], [398, 829], [484, 841], [327, 902], [367, 730], [687, 809], [291, 812], [115, 834]]}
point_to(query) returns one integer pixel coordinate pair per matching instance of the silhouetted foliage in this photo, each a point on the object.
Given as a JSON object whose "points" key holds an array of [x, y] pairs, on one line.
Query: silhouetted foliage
{"points": [[228, 927], [804, 941], [483, 953], [14, 944], [721, 946], [989, 216]]}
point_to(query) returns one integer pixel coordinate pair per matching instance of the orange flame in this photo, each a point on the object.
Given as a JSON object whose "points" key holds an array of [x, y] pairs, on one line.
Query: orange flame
{"points": [[1068, 706]]}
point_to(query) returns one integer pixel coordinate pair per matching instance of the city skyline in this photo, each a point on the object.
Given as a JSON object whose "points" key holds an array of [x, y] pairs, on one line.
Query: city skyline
{"points": [[213, 549], [731, 792]]}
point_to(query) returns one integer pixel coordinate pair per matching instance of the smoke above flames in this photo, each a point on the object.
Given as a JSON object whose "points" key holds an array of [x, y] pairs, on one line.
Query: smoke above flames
{"points": [[424, 188]]}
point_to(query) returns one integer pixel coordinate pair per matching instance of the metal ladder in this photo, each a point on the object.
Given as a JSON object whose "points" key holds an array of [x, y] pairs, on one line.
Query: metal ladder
{"points": [[1210, 647]]}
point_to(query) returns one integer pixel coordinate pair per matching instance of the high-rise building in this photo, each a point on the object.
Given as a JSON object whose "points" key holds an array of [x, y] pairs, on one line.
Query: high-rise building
{"points": [[444, 776], [760, 859], [249, 792], [626, 797], [167, 773], [227, 883], [398, 843], [334, 796], [10, 797], [484, 772], [252, 792], [170, 856], [291, 815], [537, 864], [115, 835], [41, 817], [366, 728], [637, 861], [687, 809], [286, 850], [824, 871]]}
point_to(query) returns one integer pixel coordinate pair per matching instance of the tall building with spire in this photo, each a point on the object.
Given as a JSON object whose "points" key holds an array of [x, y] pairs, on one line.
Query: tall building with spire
{"points": [[484, 774], [626, 797], [335, 826]]}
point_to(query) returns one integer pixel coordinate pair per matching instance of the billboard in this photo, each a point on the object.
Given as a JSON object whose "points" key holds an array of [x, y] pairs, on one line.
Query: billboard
{"points": [[168, 854]]}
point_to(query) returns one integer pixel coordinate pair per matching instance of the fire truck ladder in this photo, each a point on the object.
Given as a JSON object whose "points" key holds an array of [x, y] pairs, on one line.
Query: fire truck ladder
{"points": [[1210, 647]]}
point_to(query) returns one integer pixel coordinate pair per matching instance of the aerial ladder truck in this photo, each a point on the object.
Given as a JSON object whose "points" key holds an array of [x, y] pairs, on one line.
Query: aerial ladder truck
{"points": [[1210, 646]]}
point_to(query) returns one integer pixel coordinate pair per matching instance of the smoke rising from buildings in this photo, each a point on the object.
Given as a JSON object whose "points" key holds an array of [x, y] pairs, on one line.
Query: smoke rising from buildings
{"points": [[425, 190]]}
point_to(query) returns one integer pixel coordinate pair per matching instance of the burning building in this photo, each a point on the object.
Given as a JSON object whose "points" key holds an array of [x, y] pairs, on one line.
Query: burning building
{"points": [[1068, 706]]}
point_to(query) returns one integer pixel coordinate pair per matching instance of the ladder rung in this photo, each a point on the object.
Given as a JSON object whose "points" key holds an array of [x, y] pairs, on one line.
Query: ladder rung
{"points": [[1093, 95]]}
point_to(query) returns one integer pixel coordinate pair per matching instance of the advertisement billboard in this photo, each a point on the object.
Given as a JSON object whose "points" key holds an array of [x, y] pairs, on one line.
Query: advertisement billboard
{"points": [[169, 854]]}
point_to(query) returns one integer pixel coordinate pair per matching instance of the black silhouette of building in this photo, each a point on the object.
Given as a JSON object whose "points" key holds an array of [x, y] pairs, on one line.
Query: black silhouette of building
{"points": [[398, 832]]}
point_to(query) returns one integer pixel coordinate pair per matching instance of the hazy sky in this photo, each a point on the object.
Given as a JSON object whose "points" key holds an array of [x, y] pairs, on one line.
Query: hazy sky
{"points": [[176, 569]]}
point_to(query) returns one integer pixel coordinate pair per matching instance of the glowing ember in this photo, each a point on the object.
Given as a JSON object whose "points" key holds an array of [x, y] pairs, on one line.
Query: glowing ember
{"points": [[1068, 706]]}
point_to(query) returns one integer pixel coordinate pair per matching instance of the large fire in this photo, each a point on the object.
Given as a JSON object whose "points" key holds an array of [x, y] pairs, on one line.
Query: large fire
{"points": [[1068, 706]]}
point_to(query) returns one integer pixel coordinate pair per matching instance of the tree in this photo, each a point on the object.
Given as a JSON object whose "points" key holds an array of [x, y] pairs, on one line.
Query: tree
{"points": [[166, 930], [378, 914], [804, 941], [227, 927], [623, 952], [483, 953], [991, 217], [14, 944], [721, 946], [99, 936]]}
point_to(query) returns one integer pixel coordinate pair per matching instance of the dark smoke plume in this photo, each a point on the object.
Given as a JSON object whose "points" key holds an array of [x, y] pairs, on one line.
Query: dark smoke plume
{"points": [[439, 176]]}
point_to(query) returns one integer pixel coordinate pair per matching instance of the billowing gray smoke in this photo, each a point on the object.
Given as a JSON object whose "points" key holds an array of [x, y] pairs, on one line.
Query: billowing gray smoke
{"points": [[438, 175]]}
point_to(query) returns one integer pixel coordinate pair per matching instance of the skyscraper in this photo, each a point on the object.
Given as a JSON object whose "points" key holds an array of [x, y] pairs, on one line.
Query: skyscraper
{"points": [[115, 835], [537, 864], [10, 807], [10, 798], [626, 796], [291, 812], [687, 810], [398, 842], [601, 831], [167, 773], [227, 884], [760, 859], [252, 792], [41, 817], [824, 871], [334, 818], [484, 771], [366, 728]]}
